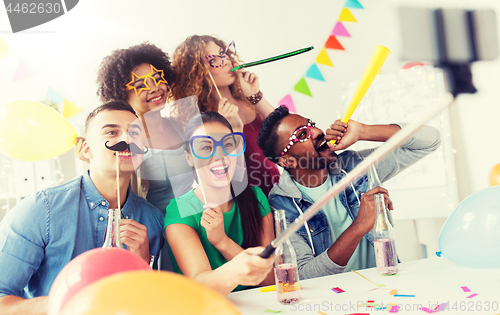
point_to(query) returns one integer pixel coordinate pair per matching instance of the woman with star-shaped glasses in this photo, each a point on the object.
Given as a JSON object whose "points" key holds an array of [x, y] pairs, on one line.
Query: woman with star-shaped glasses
{"points": [[203, 66]]}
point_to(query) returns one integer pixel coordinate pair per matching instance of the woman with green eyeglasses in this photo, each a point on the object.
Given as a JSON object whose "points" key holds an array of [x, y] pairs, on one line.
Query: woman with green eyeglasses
{"points": [[203, 68], [213, 230]]}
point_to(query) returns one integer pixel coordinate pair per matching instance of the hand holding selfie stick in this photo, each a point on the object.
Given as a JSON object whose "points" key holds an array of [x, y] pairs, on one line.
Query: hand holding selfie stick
{"points": [[359, 170]]}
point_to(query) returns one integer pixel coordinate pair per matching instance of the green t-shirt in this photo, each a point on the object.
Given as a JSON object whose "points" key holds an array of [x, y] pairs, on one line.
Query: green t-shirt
{"points": [[190, 215]]}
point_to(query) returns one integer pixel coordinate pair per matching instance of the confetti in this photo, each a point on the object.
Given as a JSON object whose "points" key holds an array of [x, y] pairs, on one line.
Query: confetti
{"points": [[393, 292], [337, 290], [404, 295], [268, 289], [272, 311], [465, 289], [472, 295]]}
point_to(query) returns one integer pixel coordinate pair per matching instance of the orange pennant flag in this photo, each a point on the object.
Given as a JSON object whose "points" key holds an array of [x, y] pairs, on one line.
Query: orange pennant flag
{"points": [[346, 16], [324, 59], [333, 43]]}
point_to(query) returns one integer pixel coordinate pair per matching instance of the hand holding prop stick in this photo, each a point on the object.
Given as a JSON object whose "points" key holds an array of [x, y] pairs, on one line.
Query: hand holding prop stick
{"points": [[376, 62], [359, 170], [259, 62]]}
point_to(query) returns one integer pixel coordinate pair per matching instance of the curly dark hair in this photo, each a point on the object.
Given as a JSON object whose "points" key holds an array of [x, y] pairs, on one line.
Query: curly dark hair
{"points": [[268, 136], [115, 70]]}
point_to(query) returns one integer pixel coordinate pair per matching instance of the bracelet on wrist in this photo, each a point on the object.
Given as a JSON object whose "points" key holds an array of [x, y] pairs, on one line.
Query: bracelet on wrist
{"points": [[254, 99]]}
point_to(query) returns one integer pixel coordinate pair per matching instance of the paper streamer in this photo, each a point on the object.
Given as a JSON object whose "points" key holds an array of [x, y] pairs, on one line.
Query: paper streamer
{"points": [[288, 102], [333, 43], [314, 73], [324, 59], [346, 16], [302, 87], [339, 30]]}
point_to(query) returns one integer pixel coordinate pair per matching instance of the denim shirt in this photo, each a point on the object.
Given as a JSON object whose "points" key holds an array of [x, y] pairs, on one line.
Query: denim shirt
{"points": [[47, 229]]}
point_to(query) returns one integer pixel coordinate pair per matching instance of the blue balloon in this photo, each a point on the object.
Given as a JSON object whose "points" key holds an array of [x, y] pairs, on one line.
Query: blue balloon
{"points": [[471, 234]]}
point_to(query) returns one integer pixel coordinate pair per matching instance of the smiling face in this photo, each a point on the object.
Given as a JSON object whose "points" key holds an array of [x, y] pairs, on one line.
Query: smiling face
{"points": [[222, 75], [218, 170], [312, 153], [140, 97], [111, 127]]}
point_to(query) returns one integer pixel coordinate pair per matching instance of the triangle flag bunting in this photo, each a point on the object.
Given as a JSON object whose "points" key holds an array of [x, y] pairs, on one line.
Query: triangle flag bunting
{"points": [[23, 71], [353, 4], [288, 102], [339, 30], [346, 16], [70, 109], [324, 59], [4, 50], [333, 43], [54, 96], [314, 73], [302, 87]]}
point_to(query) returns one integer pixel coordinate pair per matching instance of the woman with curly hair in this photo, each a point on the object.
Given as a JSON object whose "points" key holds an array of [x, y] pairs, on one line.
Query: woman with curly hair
{"points": [[199, 59]]}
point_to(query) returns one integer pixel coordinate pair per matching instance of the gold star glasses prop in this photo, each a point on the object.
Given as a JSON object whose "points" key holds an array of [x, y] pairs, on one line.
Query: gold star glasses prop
{"points": [[140, 84]]}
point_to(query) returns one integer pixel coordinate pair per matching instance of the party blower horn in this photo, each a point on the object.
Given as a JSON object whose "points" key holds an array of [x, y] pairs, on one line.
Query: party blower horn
{"points": [[376, 62], [359, 170]]}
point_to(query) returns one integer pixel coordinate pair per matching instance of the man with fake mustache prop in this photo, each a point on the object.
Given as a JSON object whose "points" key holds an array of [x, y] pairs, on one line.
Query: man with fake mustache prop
{"points": [[338, 237], [47, 229]]}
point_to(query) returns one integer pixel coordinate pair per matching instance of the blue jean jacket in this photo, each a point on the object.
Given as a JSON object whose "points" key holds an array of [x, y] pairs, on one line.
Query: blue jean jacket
{"points": [[294, 203]]}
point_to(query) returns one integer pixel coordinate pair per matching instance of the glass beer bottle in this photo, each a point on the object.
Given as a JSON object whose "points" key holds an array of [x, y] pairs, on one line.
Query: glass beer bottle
{"points": [[286, 272], [383, 240], [112, 238]]}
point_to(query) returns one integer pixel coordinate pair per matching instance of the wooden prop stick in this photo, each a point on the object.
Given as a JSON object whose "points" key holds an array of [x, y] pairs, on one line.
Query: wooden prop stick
{"points": [[118, 181], [359, 170], [201, 186], [215, 85]]}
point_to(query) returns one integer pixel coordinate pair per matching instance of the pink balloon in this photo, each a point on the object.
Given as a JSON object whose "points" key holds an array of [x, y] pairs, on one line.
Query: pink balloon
{"points": [[87, 268]]}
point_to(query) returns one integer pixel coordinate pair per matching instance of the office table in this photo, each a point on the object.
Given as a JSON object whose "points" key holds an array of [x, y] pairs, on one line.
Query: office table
{"points": [[433, 281]]}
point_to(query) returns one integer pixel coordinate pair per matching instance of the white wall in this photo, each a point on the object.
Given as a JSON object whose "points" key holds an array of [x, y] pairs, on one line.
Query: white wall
{"points": [[66, 53]]}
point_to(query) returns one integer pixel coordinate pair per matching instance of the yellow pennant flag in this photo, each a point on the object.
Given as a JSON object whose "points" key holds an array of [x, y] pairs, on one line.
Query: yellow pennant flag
{"points": [[346, 16], [70, 109], [324, 59], [4, 50]]}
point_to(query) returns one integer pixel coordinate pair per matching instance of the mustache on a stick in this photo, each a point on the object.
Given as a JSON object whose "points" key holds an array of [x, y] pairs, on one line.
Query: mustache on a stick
{"points": [[122, 146]]}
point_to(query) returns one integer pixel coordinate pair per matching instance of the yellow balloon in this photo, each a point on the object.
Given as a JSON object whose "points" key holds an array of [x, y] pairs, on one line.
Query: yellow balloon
{"points": [[32, 131], [147, 292], [495, 175]]}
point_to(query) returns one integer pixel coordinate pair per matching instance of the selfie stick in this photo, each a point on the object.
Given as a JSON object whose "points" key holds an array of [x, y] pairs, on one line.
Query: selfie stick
{"points": [[359, 170]]}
